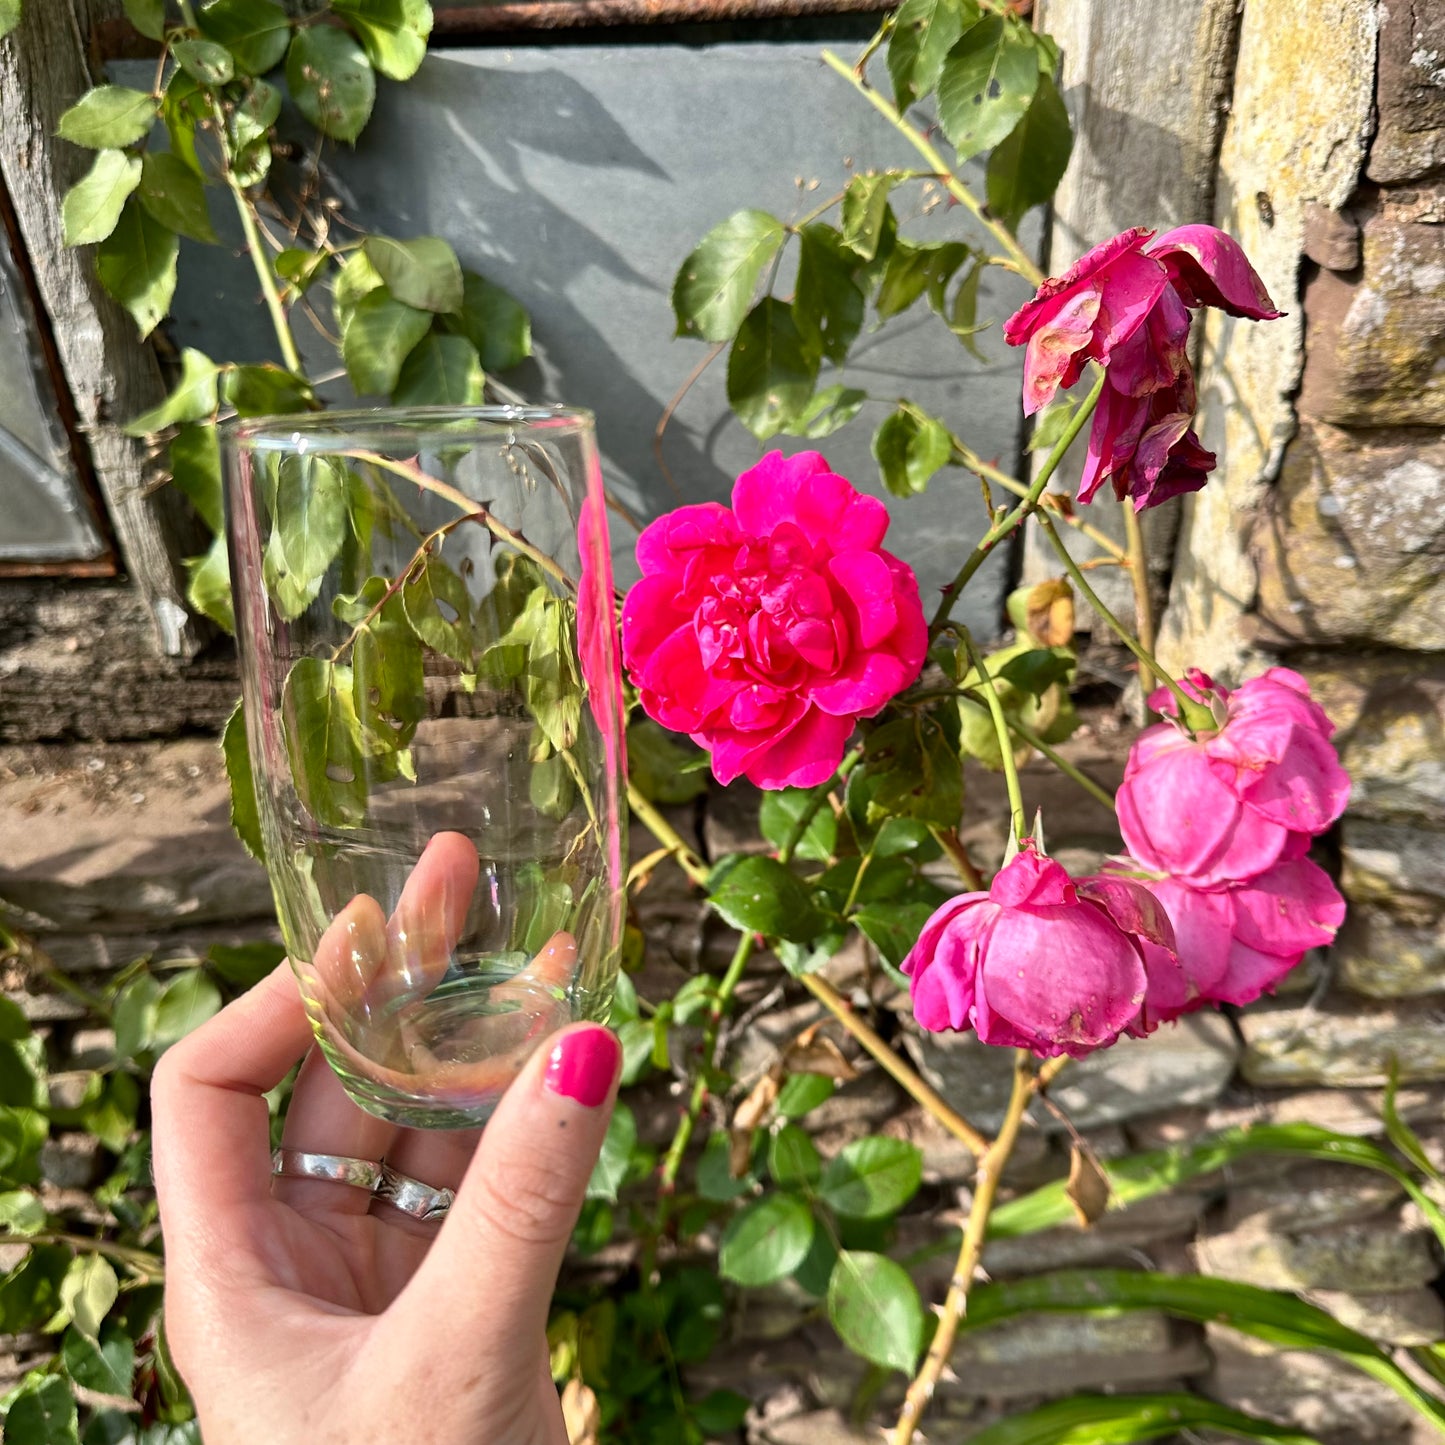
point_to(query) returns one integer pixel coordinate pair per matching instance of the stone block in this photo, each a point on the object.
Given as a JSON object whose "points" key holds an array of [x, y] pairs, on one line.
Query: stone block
{"points": [[1380, 956], [1310, 1196], [1351, 544], [1331, 238], [816, 1427], [70, 1161], [1347, 1111], [1339, 1047], [1410, 89], [1377, 339], [1398, 1317], [1387, 862], [1188, 1063], [1389, 711]]}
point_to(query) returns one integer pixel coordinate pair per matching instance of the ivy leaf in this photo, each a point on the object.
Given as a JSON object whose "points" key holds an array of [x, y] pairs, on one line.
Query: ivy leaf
{"points": [[88, 1291], [245, 817], [93, 205], [137, 265], [827, 300], [108, 117], [893, 928], [43, 1413], [323, 742], [872, 1177], [766, 1241], [494, 321], [185, 1003], [208, 588], [266, 389], [612, 1164], [440, 370], [193, 398], [1028, 164], [760, 895], [148, 16], [771, 369], [987, 81], [331, 81], [106, 1365], [256, 32], [423, 272], [924, 31], [176, 196], [394, 32], [909, 447], [780, 811], [866, 212], [875, 1308], [831, 408], [204, 61], [439, 609], [714, 286], [380, 334]]}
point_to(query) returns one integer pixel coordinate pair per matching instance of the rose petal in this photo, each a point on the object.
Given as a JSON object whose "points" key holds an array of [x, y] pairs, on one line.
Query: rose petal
{"points": [[868, 584], [1210, 268], [1289, 909], [1031, 880], [704, 524], [807, 755]]}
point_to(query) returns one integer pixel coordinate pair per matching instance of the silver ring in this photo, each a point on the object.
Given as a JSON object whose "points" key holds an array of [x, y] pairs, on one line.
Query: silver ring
{"points": [[411, 1196], [335, 1168]]}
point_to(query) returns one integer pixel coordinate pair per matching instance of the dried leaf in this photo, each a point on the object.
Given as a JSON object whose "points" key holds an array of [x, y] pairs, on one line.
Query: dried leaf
{"points": [[1088, 1187], [580, 1413], [754, 1109], [818, 1055], [1049, 609]]}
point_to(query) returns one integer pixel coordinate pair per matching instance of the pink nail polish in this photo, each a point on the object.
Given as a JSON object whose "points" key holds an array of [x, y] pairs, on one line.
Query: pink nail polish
{"points": [[582, 1066]]}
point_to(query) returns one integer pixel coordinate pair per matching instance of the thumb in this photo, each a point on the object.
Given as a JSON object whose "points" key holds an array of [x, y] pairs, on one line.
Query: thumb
{"points": [[494, 1263]]}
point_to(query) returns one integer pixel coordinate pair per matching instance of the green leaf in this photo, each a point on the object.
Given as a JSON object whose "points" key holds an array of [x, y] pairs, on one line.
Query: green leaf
{"points": [[771, 369], [331, 81], [379, 335], [88, 1291], [792, 1158], [21, 1212], [924, 31], [30, 1293], [831, 408], [1270, 1315], [300, 267], [254, 116], [111, 1118], [106, 1365], [875, 1308], [193, 398], [719, 1413], [394, 32], [1028, 164], [133, 1016], [323, 742], [176, 196], [356, 278], [43, 1413], [893, 928], [208, 585], [14, 1026], [660, 764], [912, 770], [802, 1093], [828, 303], [22, 1132], [184, 106], [760, 895], [612, 1164], [1121, 1419], [987, 81], [440, 370], [308, 525], [1050, 425], [872, 1177], [898, 837], [1038, 669], [766, 1241], [185, 1003], [137, 265], [865, 212], [909, 447], [962, 316], [912, 270], [244, 964], [108, 117], [93, 205], [439, 608], [9, 16], [204, 61], [781, 811], [494, 321], [714, 1175], [266, 389], [1401, 1135], [256, 32], [423, 272], [388, 680], [714, 286]]}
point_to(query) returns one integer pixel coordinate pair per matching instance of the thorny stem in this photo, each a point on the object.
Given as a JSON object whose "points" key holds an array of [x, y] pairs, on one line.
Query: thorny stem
{"points": [[985, 1188], [1194, 715], [474, 510], [1015, 257], [1005, 743], [1093, 788], [667, 835], [1006, 524], [1139, 575]]}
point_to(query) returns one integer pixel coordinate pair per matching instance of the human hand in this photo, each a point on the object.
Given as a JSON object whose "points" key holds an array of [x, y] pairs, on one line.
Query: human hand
{"points": [[303, 1310]]}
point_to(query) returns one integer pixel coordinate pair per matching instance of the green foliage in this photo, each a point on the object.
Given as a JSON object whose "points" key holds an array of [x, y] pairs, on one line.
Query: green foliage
{"points": [[331, 81], [714, 288], [93, 204], [909, 447], [9, 16], [108, 117], [876, 1310], [987, 81], [771, 369], [1122, 1419]]}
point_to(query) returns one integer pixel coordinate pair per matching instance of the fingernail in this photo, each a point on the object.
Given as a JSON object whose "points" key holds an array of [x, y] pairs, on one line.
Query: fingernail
{"points": [[582, 1066]]}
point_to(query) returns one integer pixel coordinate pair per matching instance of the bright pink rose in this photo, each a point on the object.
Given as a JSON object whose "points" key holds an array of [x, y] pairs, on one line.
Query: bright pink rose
{"points": [[766, 631], [1233, 944], [1041, 961], [1209, 268], [1229, 805], [1145, 446]]}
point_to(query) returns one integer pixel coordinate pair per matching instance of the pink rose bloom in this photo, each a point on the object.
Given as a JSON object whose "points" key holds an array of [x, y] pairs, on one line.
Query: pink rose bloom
{"points": [[766, 631], [1041, 961], [1233, 944], [1227, 806], [1145, 446], [1208, 267]]}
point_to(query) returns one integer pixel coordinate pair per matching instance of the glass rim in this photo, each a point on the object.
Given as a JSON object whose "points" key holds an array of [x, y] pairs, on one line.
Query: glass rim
{"points": [[402, 422]]}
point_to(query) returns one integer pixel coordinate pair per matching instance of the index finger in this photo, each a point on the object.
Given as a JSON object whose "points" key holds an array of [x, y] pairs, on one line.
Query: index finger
{"points": [[211, 1128]]}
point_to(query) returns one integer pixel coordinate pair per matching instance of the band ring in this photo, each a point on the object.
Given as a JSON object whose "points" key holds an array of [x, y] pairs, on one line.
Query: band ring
{"points": [[411, 1196], [334, 1168]]}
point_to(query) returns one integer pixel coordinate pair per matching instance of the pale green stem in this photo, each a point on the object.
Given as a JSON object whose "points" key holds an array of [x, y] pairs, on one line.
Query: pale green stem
{"points": [[1005, 743]]}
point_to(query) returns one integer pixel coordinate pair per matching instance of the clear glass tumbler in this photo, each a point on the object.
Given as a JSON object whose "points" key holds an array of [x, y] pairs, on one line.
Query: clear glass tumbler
{"points": [[433, 715]]}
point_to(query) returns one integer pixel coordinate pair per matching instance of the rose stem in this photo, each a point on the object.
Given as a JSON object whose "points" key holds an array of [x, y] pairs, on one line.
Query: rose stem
{"points": [[1005, 525], [985, 1187], [1139, 575], [1005, 743]]}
